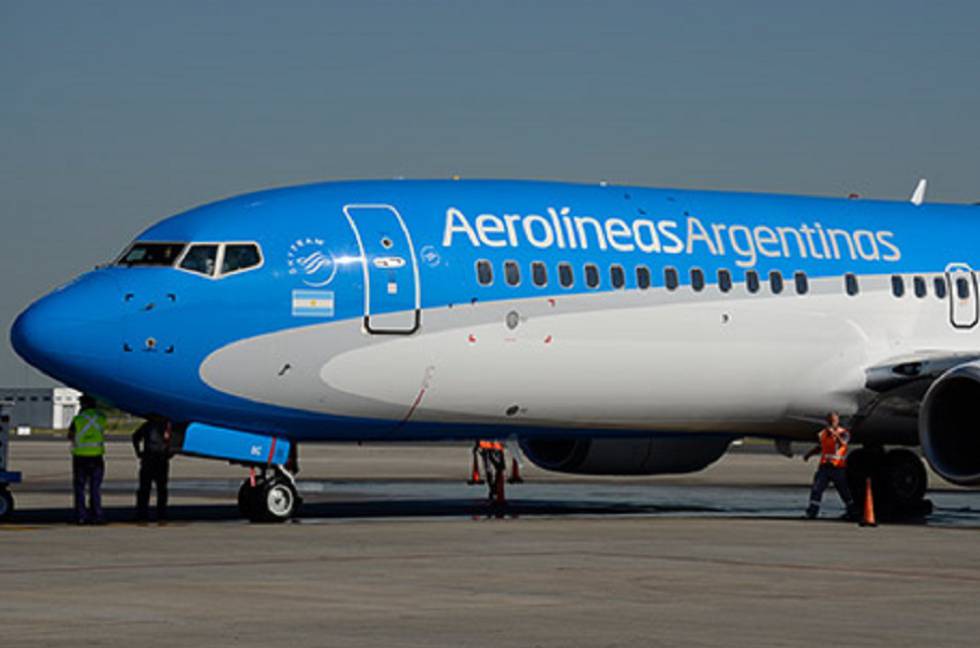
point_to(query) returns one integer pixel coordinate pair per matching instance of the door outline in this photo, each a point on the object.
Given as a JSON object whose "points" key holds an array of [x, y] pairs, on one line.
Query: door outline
{"points": [[954, 271], [367, 274]]}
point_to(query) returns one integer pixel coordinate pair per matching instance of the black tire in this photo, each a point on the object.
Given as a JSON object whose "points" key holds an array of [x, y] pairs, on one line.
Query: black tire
{"points": [[6, 504], [276, 501], [898, 481], [905, 479], [246, 499]]}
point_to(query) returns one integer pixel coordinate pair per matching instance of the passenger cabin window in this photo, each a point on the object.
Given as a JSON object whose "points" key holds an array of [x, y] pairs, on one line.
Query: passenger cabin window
{"points": [[152, 254], [200, 259], [240, 256], [851, 284], [802, 285], [670, 278], [565, 275], [591, 276], [724, 280], [962, 288], [539, 274], [898, 285], [512, 273], [642, 277], [775, 282], [752, 281], [697, 279], [939, 286], [919, 286], [617, 277], [484, 272]]}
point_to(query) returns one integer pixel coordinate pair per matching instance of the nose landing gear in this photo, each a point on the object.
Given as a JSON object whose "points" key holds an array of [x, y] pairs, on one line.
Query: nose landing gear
{"points": [[269, 495]]}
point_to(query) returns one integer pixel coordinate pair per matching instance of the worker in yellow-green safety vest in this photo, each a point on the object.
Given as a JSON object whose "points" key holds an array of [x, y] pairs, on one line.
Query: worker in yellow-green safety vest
{"points": [[87, 436]]}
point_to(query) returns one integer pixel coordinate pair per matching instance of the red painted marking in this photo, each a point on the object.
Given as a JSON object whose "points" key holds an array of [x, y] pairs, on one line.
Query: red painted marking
{"points": [[272, 450], [411, 410], [472, 338]]}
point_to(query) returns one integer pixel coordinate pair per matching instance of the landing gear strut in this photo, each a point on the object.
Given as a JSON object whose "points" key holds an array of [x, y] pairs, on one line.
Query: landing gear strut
{"points": [[271, 498], [898, 481]]}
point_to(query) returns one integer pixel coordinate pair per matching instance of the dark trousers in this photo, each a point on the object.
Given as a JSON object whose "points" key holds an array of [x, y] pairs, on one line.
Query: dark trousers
{"points": [[826, 474], [493, 467], [87, 472], [154, 469]]}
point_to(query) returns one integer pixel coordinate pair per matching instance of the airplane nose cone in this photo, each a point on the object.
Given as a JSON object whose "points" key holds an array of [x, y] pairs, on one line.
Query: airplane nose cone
{"points": [[47, 335], [65, 334], [27, 335]]}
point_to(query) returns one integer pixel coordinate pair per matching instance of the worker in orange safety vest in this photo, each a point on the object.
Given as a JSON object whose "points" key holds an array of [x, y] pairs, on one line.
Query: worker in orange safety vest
{"points": [[832, 448]]}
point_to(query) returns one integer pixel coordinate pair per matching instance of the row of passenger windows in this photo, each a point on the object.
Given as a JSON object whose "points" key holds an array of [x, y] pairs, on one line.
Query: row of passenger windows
{"points": [[199, 258], [753, 281], [920, 286]]}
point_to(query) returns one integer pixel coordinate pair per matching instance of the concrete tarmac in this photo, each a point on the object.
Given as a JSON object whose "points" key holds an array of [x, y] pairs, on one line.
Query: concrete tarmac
{"points": [[392, 549]]}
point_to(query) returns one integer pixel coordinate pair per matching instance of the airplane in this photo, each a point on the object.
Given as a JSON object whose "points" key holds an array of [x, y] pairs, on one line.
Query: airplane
{"points": [[614, 330]]}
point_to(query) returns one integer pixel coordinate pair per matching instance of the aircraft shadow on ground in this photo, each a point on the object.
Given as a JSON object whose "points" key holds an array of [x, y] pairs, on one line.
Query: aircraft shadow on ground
{"points": [[379, 509]]}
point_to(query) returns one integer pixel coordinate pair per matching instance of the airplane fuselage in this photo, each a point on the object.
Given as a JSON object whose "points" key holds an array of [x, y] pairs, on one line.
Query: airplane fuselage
{"points": [[466, 309]]}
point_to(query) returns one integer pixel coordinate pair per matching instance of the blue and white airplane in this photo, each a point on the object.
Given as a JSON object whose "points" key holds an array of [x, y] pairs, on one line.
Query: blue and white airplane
{"points": [[609, 329]]}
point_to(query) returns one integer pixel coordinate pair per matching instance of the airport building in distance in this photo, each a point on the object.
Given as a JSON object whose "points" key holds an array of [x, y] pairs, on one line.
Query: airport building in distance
{"points": [[41, 407]]}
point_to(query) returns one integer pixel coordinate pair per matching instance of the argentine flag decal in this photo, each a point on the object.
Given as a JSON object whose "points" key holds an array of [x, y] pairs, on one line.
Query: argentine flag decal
{"points": [[312, 303]]}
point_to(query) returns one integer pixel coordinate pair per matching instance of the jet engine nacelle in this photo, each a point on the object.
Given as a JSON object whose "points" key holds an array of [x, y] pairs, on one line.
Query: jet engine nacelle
{"points": [[632, 456], [949, 425]]}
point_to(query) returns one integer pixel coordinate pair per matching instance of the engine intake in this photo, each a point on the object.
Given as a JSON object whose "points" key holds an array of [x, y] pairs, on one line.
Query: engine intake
{"points": [[949, 426], [632, 456]]}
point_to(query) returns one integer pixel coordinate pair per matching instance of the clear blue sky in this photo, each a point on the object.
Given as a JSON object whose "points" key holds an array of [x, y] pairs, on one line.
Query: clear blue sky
{"points": [[116, 114]]}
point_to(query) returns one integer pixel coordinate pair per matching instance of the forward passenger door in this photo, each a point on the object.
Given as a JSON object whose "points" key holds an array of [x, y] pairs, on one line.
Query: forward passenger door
{"points": [[962, 281]]}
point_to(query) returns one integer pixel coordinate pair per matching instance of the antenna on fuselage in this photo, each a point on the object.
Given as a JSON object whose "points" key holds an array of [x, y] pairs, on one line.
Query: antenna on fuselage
{"points": [[919, 195]]}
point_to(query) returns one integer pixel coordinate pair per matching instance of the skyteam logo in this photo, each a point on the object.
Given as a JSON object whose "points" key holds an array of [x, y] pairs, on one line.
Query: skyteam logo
{"points": [[310, 260]]}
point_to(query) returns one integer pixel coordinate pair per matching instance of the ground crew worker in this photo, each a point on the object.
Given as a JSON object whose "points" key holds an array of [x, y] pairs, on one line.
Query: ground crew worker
{"points": [[494, 464], [87, 436], [832, 448], [152, 444]]}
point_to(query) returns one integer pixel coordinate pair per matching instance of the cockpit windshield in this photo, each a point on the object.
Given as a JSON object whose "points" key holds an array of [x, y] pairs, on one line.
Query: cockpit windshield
{"points": [[200, 259], [152, 254], [240, 256], [215, 260]]}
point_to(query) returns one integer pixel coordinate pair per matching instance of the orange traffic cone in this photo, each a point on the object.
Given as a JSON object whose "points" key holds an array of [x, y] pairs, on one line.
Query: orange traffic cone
{"points": [[869, 506], [515, 472], [475, 473]]}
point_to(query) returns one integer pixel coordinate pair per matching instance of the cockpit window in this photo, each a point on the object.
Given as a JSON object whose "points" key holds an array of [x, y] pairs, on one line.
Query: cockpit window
{"points": [[200, 259], [152, 254], [240, 256]]}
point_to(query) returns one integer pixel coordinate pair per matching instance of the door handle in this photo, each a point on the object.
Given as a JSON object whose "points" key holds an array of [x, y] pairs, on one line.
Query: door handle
{"points": [[388, 262]]}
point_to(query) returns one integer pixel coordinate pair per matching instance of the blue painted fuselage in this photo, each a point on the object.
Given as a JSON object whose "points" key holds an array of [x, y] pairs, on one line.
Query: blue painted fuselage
{"points": [[386, 253]]}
